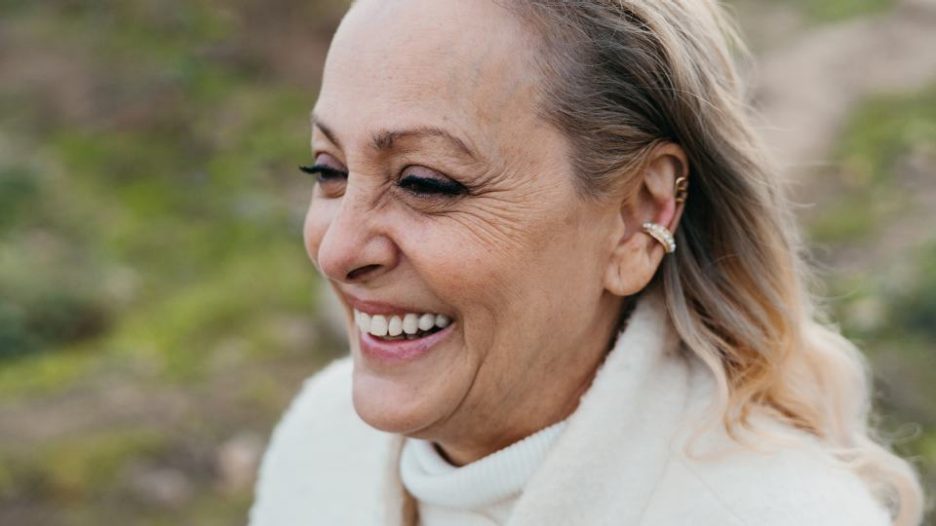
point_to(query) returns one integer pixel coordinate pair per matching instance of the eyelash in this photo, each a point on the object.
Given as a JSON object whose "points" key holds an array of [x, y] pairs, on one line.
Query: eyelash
{"points": [[323, 173], [418, 186]]}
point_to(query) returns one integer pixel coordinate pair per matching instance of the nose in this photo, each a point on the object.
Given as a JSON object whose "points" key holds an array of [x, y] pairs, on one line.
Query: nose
{"points": [[353, 244]]}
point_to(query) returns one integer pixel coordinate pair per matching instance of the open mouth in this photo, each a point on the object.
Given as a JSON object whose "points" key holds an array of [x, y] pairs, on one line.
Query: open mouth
{"points": [[396, 327]]}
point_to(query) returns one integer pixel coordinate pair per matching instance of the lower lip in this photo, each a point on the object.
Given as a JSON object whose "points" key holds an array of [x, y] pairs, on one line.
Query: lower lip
{"points": [[400, 351]]}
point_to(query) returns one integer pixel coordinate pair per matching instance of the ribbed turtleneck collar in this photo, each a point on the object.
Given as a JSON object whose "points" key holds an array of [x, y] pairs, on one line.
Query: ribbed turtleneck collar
{"points": [[484, 483]]}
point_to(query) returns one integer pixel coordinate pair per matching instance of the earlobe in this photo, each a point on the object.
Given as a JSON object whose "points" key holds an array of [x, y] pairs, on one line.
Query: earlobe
{"points": [[631, 267]]}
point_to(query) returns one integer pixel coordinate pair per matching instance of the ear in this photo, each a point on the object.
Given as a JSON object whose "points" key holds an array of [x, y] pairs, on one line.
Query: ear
{"points": [[636, 256]]}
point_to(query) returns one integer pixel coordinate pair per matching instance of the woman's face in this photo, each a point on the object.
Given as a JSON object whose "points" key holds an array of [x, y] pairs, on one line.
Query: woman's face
{"points": [[447, 193]]}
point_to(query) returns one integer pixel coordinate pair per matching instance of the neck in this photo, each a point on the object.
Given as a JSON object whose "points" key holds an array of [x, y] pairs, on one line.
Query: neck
{"points": [[462, 453]]}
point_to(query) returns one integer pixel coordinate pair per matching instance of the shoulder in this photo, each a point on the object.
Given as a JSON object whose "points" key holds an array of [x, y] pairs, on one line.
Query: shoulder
{"points": [[790, 484], [323, 403], [327, 392], [318, 454]]}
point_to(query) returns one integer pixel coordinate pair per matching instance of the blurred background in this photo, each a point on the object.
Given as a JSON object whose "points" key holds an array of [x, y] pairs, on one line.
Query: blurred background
{"points": [[158, 312]]}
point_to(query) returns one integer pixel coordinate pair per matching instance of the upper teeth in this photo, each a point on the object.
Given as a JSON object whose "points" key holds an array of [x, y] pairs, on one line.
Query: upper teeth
{"points": [[380, 325]]}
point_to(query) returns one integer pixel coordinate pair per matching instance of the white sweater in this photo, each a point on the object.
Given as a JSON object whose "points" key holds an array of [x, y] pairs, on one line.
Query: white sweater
{"points": [[482, 493], [621, 460]]}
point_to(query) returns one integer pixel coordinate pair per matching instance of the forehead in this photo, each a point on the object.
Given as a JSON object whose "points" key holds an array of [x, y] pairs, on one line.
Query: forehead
{"points": [[468, 64]]}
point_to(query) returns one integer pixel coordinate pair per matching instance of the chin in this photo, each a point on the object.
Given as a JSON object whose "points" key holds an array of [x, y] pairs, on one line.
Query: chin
{"points": [[414, 396], [393, 404]]}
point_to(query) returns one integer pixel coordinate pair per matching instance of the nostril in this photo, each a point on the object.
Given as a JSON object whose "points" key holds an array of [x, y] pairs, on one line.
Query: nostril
{"points": [[361, 271]]}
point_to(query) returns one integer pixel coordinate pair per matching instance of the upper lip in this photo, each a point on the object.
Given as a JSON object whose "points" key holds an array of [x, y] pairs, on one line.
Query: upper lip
{"points": [[373, 307]]}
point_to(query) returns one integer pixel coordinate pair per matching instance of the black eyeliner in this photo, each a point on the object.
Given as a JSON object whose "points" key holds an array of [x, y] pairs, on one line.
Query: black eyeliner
{"points": [[321, 170], [427, 186]]}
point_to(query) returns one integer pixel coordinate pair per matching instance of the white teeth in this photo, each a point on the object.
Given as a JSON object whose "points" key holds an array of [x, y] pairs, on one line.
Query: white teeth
{"points": [[395, 327], [362, 319], [378, 326], [426, 322], [382, 325], [411, 323]]}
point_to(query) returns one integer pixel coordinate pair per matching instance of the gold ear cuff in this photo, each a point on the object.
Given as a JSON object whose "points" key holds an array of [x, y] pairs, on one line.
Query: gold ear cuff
{"points": [[682, 189], [661, 234]]}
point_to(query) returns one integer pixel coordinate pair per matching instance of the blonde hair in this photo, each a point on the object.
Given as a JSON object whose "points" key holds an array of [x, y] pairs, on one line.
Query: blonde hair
{"points": [[624, 76]]}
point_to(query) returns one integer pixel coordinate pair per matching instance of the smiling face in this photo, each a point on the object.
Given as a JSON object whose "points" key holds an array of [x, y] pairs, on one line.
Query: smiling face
{"points": [[442, 190]]}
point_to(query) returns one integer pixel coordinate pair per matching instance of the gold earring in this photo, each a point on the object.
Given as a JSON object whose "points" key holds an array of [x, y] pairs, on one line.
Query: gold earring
{"points": [[682, 189], [661, 234]]}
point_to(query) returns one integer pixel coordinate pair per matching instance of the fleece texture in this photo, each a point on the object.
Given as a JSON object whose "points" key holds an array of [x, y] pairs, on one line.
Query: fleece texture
{"points": [[629, 456]]}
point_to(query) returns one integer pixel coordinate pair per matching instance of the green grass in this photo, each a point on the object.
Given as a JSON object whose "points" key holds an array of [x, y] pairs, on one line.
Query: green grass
{"points": [[886, 128], [177, 335], [890, 311], [86, 479], [855, 216], [825, 11], [74, 468], [157, 238], [152, 237], [914, 310], [877, 138], [175, 338], [901, 345]]}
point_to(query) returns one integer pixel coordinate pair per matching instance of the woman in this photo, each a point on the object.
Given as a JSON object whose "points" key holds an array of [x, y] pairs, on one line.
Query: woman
{"points": [[571, 284]]}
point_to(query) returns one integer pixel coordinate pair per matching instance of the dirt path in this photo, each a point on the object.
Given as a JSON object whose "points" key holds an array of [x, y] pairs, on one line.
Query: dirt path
{"points": [[806, 90]]}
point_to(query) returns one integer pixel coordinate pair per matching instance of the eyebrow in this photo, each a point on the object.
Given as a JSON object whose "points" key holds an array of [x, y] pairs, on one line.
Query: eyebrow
{"points": [[325, 130], [384, 140]]}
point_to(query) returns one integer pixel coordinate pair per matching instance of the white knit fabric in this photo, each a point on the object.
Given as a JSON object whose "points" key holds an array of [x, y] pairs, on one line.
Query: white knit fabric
{"points": [[628, 456], [481, 493]]}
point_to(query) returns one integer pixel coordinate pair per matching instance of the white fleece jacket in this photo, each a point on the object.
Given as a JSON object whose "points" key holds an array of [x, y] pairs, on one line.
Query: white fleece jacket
{"points": [[621, 459]]}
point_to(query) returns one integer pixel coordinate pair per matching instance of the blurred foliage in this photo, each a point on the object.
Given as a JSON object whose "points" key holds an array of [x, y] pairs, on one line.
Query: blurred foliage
{"points": [[883, 133], [164, 212], [877, 218], [155, 297], [915, 311], [150, 243], [896, 326], [834, 10], [72, 469]]}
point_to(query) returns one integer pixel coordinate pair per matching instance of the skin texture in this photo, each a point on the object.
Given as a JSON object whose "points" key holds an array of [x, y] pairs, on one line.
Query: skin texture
{"points": [[532, 275]]}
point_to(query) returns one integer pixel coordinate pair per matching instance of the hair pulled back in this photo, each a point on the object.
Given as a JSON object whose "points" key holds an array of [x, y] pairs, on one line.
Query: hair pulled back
{"points": [[623, 76]]}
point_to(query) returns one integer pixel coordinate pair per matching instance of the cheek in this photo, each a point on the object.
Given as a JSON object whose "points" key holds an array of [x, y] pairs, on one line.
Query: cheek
{"points": [[481, 272], [526, 276]]}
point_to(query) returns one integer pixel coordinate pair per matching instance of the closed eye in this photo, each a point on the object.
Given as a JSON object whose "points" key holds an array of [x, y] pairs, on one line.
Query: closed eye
{"points": [[324, 173], [423, 182]]}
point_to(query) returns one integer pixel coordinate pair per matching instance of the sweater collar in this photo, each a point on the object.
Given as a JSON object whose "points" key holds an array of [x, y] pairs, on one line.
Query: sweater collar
{"points": [[492, 479]]}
